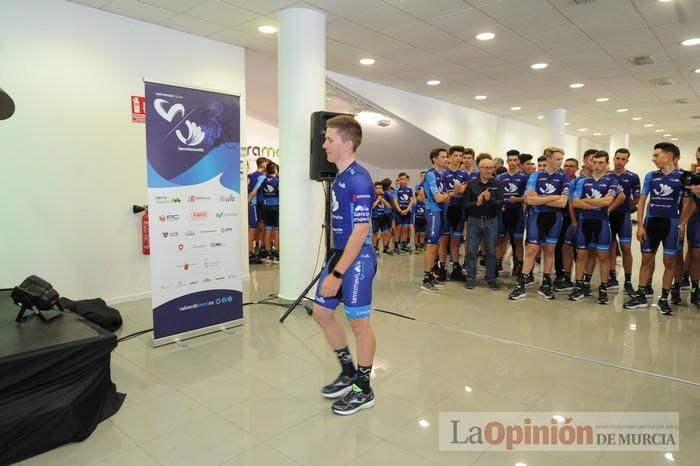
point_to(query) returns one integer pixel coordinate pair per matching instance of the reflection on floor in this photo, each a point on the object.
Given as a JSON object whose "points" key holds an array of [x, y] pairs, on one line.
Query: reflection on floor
{"points": [[252, 397]]}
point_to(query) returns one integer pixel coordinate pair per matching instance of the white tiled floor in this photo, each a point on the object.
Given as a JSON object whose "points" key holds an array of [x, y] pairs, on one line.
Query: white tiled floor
{"points": [[251, 397]]}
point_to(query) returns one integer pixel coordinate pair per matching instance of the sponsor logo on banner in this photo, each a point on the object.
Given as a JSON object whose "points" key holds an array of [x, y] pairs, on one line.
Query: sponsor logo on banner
{"points": [[189, 233], [225, 214], [171, 234], [169, 218], [229, 198], [199, 246], [207, 231], [200, 215], [216, 244], [211, 264], [225, 230], [180, 247], [192, 199]]}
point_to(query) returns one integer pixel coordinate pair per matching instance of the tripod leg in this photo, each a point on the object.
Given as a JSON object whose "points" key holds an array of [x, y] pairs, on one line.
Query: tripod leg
{"points": [[301, 296]]}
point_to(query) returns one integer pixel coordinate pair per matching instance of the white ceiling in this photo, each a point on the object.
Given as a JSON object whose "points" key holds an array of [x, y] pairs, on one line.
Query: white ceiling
{"points": [[417, 40]]}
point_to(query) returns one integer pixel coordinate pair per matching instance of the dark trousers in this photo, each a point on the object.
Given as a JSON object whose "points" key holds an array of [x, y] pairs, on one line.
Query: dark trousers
{"points": [[481, 229]]}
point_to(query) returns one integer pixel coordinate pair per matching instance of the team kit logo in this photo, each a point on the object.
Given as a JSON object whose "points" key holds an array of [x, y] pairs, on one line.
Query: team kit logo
{"points": [[663, 190], [195, 134], [548, 189]]}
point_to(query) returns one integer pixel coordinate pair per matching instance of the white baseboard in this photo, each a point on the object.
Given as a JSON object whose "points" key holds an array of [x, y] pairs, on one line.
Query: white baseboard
{"points": [[128, 298]]}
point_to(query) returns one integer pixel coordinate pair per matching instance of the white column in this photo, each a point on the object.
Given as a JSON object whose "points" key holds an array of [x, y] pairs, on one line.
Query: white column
{"points": [[301, 55], [618, 140], [553, 133]]}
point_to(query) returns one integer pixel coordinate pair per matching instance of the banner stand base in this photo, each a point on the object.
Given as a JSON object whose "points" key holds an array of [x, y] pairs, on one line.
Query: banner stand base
{"points": [[198, 332]]}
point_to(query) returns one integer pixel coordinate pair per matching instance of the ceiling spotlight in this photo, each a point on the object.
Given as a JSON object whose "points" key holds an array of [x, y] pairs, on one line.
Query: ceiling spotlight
{"points": [[597, 134], [480, 97], [674, 139], [689, 42], [485, 36], [602, 99], [659, 131], [540, 117], [667, 135], [576, 85], [424, 423], [539, 66], [567, 123], [621, 110], [367, 61], [669, 456], [433, 82], [637, 118], [267, 29], [697, 71], [583, 129], [665, 1], [649, 125], [515, 109]]}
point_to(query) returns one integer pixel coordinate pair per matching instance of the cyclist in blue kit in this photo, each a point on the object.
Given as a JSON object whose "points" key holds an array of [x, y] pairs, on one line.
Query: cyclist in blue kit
{"points": [[419, 216], [270, 189], [512, 219], [455, 181], [621, 220], [435, 197], [403, 205], [348, 274], [255, 179], [546, 194], [592, 197], [662, 223], [380, 222]]}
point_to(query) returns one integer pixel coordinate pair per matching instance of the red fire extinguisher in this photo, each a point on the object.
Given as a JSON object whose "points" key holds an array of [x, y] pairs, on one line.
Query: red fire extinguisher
{"points": [[145, 241]]}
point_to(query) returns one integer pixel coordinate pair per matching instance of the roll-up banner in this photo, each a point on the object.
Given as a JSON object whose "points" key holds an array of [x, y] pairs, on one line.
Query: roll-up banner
{"points": [[193, 153]]}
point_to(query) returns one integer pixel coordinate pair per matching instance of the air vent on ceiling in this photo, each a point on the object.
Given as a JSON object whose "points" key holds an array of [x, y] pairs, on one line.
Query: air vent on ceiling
{"points": [[642, 60], [661, 81], [680, 101], [583, 2]]}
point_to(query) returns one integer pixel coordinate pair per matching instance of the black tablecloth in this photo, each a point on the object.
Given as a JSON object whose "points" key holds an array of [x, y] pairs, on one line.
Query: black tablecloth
{"points": [[55, 383]]}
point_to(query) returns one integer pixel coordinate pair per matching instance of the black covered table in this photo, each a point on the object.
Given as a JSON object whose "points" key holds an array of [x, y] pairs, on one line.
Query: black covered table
{"points": [[55, 383]]}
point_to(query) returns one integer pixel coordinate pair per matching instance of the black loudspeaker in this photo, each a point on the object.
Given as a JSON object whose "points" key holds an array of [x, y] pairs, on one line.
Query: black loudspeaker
{"points": [[320, 168]]}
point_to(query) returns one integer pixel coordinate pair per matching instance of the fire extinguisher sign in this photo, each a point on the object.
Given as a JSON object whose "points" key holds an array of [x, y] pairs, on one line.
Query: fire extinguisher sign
{"points": [[138, 109]]}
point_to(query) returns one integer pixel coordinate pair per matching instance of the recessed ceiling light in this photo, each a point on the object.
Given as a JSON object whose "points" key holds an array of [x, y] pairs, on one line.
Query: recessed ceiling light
{"points": [[467, 388], [649, 125], [433, 82], [480, 97], [367, 61], [697, 70], [539, 66], [576, 85], [423, 423], [602, 99], [693, 41], [485, 36], [267, 29], [621, 110], [669, 456], [515, 109], [659, 131], [637, 118], [520, 464], [567, 123], [583, 129], [540, 117], [674, 139], [597, 134], [667, 135]]}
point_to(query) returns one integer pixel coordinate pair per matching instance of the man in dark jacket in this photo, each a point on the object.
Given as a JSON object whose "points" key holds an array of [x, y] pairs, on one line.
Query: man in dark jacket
{"points": [[483, 200]]}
